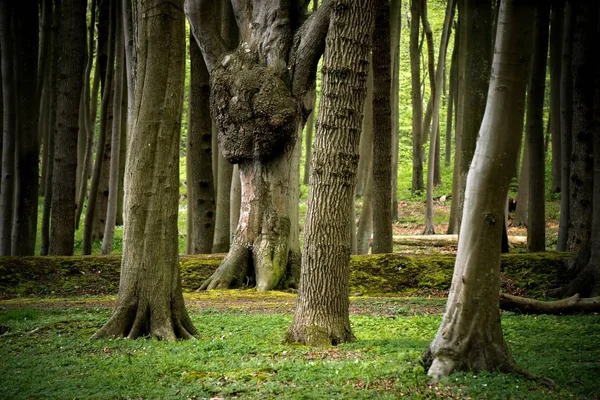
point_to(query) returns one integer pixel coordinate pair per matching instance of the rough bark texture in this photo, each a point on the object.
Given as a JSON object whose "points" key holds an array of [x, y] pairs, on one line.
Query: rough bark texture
{"points": [[417, 102], [536, 222], [470, 336], [395, 32], [323, 319], [382, 132], [566, 118], [556, 31], [150, 300], [27, 156], [69, 86], [474, 57], [582, 155], [201, 194]]}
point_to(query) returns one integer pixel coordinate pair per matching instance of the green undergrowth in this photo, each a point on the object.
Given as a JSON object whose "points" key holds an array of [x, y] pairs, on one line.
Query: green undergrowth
{"points": [[531, 274], [47, 353]]}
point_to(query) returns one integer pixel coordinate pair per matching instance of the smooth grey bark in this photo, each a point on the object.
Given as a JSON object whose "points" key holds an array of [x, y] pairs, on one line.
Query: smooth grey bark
{"points": [[382, 132], [556, 32], [522, 209], [451, 103], [235, 200], [222, 236], [566, 118], [536, 222], [364, 230], [72, 41], [115, 141], [150, 300], [470, 336], [27, 149], [417, 102], [324, 319]]}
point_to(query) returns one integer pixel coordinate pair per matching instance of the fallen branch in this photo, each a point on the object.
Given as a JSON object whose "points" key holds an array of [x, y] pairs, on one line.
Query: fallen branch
{"points": [[446, 240], [573, 304]]}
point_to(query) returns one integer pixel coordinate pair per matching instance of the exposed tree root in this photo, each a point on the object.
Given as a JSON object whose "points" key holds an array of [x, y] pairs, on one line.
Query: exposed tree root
{"points": [[319, 335], [573, 304], [234, 271]]}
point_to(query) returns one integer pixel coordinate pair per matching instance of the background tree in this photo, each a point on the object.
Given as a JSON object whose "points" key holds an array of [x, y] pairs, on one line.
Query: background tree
{"points": [[417, 106], [321, 317], [470, 336], [150, 300], [556, 32], [395, 34]]}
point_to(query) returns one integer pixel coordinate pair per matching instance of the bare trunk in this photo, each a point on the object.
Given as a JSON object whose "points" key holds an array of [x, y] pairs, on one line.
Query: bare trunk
{"points": [[235, 199], [365, 149], [310, 123], [523, 190], [321, 317], [417, 102], [382, 136], [470, 335], [556, 32], [451, 102], [395, 32], [69, 86], [150, 300], [536, 222], [222, 236], [365, 223]]}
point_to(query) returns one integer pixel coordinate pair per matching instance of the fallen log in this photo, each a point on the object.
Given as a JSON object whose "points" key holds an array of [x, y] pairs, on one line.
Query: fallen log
{"points": [[573, 304], [446, 240]]}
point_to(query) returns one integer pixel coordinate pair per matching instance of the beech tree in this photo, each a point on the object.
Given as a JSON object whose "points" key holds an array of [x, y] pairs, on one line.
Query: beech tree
{"points": [[470, 335], [322, 311], [150, 300], [417, 102], [259, 94]]}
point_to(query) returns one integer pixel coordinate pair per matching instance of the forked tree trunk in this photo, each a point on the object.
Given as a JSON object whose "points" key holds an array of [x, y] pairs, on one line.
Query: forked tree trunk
{"points": [[556, 31], [566, 118], [322, 314], [536, 217], [150, 300], [417, 102], [69, 86], [382, 132], [470, 335]]}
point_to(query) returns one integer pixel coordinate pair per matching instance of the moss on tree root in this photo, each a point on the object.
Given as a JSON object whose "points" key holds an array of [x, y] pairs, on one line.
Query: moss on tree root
{"points": [[531, 275]]}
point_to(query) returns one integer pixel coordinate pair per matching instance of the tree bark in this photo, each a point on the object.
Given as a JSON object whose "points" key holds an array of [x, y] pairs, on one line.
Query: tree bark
{"points": [[382, 132], [222, 235], [451, 103], [322, 315], [365, 223], [536, 217], [201, 195], [69, 86], [27, 156], [470, 335], [115, 141], [556, 32], [566, 118], [395, 33], [417, 102], [521, 212], [474, 57], [150, 300]]}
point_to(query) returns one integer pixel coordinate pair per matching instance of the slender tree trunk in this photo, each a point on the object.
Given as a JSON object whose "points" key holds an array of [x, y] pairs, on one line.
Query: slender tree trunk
{"points": [[395, 32], [201, 199], [436, 93], [451, 103], [536, 222], [323, 319], [115, 142], [9, 102], [417, 102], [150, 300], [523, 190], [470, 335], [221, 241], [566, 118], [365, 223], [69, 86], [556, 32], [122, 155], [582, 156], [27, 156], [474, 56], [92, 207], [235, 201], [310, 123], [365, 149], [382, 132]]}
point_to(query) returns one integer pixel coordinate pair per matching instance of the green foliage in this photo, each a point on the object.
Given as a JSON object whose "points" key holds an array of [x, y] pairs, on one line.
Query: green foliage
{"points": [[47, 354]]}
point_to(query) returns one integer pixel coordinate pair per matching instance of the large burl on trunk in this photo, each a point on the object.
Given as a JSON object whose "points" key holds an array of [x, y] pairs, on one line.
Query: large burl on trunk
{"points": [[261, 95]]}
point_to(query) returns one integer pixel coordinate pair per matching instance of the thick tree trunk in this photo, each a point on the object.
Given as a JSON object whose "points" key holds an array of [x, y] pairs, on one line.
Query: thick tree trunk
{"points": [[395, 32], [150, 300], [201, 195], [115, 142], [321, 316], [566, 118], [27, 156], [556, 32], [417, 102], [474, 57], [382, 132], [582, 155], [536, 217], [92, 204], [470, 335], [69, 86], [436, 93]]}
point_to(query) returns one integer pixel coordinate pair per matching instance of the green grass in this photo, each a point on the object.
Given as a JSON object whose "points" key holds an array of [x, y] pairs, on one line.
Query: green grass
{"points": [[47, 353]]}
